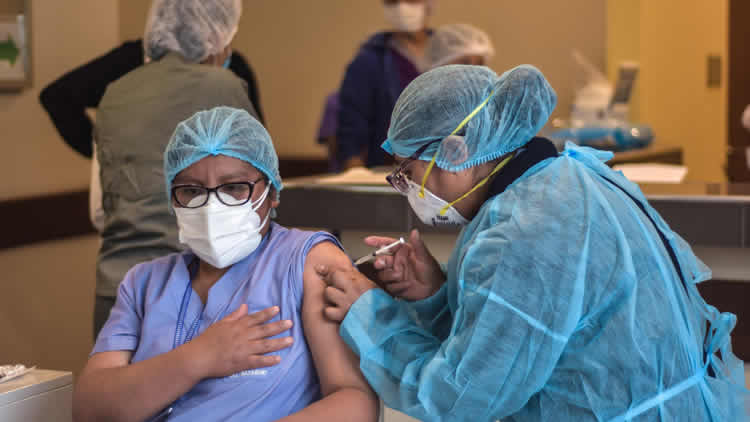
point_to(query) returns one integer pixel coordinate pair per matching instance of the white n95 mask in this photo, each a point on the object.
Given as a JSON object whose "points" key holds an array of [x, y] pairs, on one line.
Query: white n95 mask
{"points": [[429, 208], [405, 17], [219, 234]]}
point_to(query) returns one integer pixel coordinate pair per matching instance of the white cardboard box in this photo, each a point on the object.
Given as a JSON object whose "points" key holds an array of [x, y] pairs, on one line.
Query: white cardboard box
{"points": [[38, 396]]}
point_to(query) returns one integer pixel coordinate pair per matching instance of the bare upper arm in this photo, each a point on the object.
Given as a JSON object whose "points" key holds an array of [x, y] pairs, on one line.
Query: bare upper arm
{"points": [[107, 360], [336, 364]]}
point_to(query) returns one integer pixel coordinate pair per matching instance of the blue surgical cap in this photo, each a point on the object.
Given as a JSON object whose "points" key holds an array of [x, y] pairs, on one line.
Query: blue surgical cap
{"points": [[510, 110], [221, 131]]}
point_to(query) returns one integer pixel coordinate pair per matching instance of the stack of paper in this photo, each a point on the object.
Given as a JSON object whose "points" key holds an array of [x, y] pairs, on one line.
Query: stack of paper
{"points": [[9, 372], [355, 176], [653, 172]]}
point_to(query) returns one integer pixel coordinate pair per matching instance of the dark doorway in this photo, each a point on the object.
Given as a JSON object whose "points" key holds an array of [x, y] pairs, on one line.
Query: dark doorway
{"points": [[738, 160]]}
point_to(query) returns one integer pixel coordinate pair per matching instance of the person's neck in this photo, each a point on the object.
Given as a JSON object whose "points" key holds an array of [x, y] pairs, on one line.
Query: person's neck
{"points": [[205, 278], [469, 206], [412, 40], [207, 275]]}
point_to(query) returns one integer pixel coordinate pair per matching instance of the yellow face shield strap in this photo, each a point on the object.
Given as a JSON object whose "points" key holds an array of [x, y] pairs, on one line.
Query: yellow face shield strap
{"points": [[458, 128], [497, 168]]}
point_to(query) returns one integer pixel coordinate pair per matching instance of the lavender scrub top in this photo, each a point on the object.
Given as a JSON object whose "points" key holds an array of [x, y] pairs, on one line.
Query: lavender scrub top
{"points": [[145, 320]]}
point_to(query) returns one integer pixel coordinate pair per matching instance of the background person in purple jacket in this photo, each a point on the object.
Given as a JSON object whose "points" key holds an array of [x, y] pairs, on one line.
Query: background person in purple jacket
{"points": [[382, 68]]}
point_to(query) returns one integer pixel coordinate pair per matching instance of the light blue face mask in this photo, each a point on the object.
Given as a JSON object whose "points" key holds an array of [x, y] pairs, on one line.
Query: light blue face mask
{"points": [[227, 62]]}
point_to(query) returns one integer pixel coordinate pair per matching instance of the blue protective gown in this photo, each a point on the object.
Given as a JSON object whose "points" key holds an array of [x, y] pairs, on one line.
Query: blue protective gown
{"points": [[561, 304]]}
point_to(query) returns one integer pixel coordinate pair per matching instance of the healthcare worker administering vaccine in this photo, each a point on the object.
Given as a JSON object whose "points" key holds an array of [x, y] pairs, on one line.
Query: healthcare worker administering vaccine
{"points": [[567, 297]]}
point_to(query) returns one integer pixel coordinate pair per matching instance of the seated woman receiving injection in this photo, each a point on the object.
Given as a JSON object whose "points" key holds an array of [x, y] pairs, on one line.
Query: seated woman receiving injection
{"points": [[233, 328]]}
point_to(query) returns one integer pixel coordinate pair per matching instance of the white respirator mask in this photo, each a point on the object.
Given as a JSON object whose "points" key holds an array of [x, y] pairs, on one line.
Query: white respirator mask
{"points": [[219, 234], [405, 17], [431, 209]]}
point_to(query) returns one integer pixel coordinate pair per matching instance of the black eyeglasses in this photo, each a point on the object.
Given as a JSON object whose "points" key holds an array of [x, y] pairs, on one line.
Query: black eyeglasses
{"points": [[230, 194], [398, 178]]}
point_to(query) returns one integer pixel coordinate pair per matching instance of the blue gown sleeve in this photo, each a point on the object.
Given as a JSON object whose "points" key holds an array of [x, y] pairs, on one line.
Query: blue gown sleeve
{"points": [[432, 313], [122, 331], [516, 308]]}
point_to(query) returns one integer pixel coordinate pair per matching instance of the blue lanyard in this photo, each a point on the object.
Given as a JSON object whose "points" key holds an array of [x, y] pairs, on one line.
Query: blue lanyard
{"points": [[178, 341]]}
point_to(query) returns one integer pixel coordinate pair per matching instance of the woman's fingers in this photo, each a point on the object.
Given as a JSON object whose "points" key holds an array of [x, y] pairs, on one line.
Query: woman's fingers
{"points": [[344, 288], [420, 249], [323, 271], [342, 279], [334, 313], [382, 262], [256, 332], [269, 345], [402, 260], [257, 318], [334, 296], [255, 361], [398, 288], [237, 314]]}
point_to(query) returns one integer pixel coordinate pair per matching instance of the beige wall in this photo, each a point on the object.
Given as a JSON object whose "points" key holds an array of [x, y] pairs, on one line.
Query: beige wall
{"points": [[46, 303], [674, 96], [671, 39], [46, 293], [624, 43], [300, 49], [11, 7], [62, 38], [46, 290]]}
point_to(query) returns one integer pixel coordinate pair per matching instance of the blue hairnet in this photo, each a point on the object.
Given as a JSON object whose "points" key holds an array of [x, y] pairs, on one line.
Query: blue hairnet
{"points": [[561, 303], [221, 131], [195, 29], [518, 104]]}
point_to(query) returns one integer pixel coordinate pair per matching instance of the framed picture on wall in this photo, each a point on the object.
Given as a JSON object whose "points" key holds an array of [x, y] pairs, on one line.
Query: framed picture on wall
{"points": [[15, 64]]}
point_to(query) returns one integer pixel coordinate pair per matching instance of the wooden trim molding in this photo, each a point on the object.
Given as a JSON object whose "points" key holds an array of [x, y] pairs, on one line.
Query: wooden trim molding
{"points": [[290, 167], [56, 216], [44, 218], [64, 215]]}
